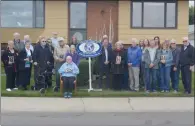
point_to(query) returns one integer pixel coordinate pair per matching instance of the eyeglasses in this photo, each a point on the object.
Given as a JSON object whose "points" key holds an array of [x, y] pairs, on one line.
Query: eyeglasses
{"points": [[185, 41], [44, 41]]}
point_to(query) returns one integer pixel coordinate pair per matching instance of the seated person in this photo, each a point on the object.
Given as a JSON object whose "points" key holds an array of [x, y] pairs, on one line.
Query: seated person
{"points": [[68, 71]]}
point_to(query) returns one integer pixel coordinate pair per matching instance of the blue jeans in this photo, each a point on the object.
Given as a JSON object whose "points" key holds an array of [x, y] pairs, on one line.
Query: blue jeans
{"points": [[175, 78], [151, 79], [165, 77]]}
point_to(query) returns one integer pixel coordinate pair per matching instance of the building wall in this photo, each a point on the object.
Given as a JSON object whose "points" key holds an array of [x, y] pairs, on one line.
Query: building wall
{"points": [[125, 32], [56, 19]]}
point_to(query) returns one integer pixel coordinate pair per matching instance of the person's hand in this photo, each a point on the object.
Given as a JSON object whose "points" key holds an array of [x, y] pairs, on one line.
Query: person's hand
{"points": [[60, 60], [31, 61], [163, 61], [27, 59], [151, 65], [174, 68], [48, 62], [106, 62], [129, 64], [191, 68], [35, 63]]}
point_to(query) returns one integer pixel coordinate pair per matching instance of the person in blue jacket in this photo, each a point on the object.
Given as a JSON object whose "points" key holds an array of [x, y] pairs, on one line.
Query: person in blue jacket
{"points": [[68, 71], [134, 55]]}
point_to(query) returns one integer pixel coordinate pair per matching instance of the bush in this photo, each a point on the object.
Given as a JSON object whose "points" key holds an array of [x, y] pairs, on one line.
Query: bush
{"points": [[83, 77]]}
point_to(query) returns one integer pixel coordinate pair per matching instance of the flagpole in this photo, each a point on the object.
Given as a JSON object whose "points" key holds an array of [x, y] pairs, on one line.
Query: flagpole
{"points": [[90, 80]]}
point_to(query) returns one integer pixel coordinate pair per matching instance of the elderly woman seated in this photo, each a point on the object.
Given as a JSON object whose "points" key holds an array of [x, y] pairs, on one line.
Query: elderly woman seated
{"points": [[68, 72]]}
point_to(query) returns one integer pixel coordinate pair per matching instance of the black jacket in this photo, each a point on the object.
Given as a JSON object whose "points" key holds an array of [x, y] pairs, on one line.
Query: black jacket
{"points": [[102, 57], [118, 68], [21, 63], [42, 56], [5, 59], [187, 56]]}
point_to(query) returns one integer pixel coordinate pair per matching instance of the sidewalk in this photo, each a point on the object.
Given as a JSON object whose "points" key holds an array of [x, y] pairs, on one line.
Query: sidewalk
{"points": [[20, 104]]}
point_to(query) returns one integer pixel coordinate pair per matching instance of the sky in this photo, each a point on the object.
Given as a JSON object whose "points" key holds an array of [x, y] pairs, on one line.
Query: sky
{"points": [[191, 3]]}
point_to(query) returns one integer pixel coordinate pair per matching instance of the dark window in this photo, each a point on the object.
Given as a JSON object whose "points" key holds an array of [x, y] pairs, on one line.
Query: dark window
{"points": [[28, 14], [153, 14], [78, 20]]}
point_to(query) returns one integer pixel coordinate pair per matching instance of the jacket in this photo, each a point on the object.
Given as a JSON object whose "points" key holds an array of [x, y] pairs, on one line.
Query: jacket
{"points": [[102, 57], [118, 68], [59, 52], [187, 56], [23, 55], [168, 57], [18, 45], [72, 70], [147, 59], [75, 57], [176, 55], [134, 55]]}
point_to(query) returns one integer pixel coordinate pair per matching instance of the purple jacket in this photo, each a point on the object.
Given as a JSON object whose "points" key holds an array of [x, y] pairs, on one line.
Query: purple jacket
{"points": [[75, 57]]}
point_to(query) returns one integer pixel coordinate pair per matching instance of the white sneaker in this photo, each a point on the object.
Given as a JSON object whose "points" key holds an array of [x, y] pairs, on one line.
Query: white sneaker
{"points": [[175, 92], [8, 89], [15, 88]]}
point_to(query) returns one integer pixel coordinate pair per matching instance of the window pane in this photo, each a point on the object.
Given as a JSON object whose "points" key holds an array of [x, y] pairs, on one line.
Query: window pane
{"points": [[153, 14], [137, 14], [170, 21], [39, 12], [78, 15], [79, 34], [16, 13]]}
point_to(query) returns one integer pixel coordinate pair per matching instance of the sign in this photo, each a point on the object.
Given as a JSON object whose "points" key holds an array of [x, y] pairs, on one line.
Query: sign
{"points": [[89, 48]]}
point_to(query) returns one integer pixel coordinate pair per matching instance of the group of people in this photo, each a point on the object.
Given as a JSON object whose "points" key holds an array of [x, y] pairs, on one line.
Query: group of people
{"points": [[47, 53], [149, 64], [146, 63]]}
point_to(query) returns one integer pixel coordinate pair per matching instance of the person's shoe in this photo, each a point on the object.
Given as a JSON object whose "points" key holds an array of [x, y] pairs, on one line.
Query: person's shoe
{"points": [[167, 91], [162, 91], [69, 95], [66, 95], [154, 91], [15, 88], [8, 89], [147, 92], [175, 91]]}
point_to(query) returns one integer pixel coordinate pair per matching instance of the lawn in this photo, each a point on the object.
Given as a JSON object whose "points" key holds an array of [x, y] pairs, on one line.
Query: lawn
{"points": [[83, 93]]}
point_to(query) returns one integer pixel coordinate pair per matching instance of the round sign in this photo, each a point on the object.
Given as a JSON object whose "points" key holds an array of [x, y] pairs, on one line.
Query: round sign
{"points": [[89, 48]]}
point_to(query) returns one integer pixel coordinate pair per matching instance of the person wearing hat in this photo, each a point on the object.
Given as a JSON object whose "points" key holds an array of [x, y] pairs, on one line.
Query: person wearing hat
{"points": [[58, 55], [186, 61], [175, 69]]}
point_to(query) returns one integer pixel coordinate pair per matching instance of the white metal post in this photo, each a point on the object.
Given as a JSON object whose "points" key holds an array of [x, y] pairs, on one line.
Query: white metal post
{"points": [[90, 80]]}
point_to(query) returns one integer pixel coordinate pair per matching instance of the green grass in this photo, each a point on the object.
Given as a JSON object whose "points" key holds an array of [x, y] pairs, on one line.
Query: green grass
{"points": [[84, 93]]}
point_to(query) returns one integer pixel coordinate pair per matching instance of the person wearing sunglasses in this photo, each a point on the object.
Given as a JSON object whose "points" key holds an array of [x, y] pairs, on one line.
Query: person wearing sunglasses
{"points": [[175, 69], [187, 62], [42, 58]]}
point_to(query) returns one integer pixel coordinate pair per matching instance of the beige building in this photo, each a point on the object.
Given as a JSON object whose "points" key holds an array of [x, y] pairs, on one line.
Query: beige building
{"points": [[120, 20]]}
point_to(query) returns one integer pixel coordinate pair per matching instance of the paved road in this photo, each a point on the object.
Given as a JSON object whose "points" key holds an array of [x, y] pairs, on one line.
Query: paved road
{"points": [[97, 119]]}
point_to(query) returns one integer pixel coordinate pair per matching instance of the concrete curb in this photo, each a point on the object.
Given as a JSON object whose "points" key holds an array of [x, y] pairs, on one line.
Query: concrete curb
{"points": [[82, 105]]}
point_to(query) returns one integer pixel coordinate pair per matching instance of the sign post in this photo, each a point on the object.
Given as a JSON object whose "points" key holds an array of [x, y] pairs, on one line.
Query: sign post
{"points": [[89, 49]]}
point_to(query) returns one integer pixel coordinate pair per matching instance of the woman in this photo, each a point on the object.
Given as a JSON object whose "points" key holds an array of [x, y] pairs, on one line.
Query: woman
{"points": [[25, 64], [73, 54], [68, 71], [9, 59], [74, 41], [166, 59], [157, 42], [118, 65], [142, 69]]}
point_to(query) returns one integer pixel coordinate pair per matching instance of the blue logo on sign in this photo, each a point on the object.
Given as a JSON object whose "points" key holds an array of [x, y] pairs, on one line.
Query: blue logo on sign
{"points": [[89, 48]]}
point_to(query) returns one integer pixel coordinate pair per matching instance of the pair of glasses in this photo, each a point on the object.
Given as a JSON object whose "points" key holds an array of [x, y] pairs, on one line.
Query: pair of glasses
{"points": [[44, 41], [185, 41]]}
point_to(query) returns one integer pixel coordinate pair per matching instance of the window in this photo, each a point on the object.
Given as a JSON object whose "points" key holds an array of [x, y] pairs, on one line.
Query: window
{"points": [[26, 14], [158, 14], [78, 22]]}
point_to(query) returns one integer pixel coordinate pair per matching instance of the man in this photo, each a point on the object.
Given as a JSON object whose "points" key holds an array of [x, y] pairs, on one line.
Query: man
{"points": [[109, 43], [187, 62], [58, 55], [54, 39], [134, 55], [27, 39], [175, 69], [42, 60], [68, 71], [104, 62], [151, 59], [18, 46]]}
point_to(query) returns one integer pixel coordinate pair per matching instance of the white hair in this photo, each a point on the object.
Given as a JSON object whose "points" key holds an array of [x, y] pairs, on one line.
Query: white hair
{"points": [[26, 36], [134, 40], [68, 57], [185, 38], [16, 34], [72, 46], [119, 43], [10, 42], [173, 41]]}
